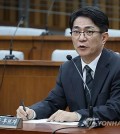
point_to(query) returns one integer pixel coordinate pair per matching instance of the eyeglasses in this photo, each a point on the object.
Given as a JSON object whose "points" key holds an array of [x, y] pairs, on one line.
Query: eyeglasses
{"points": [[87, 33]]}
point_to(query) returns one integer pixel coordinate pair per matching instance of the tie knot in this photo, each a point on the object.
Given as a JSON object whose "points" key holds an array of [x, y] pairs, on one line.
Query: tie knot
{"points": [[88, 69]]}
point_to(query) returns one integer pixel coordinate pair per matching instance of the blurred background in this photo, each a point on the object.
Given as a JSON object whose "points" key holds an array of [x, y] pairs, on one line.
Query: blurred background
{"points": [[53, 14]]}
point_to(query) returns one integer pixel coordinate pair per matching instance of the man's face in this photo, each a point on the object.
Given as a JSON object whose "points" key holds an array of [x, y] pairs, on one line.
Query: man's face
{"points": [[90, 42]]}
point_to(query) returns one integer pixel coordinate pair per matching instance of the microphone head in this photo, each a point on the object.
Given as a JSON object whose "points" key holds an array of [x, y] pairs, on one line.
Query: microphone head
{"points": [[23, 17], [69, 57], [22, 20]]}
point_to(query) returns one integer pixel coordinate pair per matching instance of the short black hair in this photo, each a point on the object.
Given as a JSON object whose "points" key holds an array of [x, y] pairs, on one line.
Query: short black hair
{"points": [[98, 17]]}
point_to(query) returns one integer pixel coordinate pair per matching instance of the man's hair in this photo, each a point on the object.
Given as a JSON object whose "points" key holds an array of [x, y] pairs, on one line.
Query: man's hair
{"points": [[99, 18]]}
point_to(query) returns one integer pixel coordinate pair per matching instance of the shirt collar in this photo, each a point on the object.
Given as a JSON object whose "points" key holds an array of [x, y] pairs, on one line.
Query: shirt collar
{"points": [[93, 64]]}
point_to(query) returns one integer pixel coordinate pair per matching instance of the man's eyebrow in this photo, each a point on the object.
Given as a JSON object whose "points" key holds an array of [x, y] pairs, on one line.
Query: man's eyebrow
{"points": [[76, 27], [87, 27]]}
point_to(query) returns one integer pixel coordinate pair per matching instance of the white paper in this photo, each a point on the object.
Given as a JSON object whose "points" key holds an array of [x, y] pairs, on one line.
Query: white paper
{"points": [[52, 122]]}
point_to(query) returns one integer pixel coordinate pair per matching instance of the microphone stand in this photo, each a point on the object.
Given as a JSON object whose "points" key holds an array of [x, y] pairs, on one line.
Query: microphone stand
{"points": [[11, 56], [47, 32]]}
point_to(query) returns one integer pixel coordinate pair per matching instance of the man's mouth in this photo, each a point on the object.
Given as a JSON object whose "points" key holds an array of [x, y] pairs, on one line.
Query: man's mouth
{"points": [[82, 47]]}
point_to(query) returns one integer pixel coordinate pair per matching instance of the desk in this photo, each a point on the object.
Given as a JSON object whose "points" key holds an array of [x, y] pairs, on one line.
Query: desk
{"points": [[49, 128], [41, 47], [28, 80]]}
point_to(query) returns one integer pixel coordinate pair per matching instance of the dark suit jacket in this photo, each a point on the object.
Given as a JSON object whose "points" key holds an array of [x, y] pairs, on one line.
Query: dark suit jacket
{"points": [[69, 90]]}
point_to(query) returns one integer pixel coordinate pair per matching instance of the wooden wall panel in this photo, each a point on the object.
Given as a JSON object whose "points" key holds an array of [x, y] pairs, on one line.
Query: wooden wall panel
{"points": [[38, 10], [41, 47], [116, 14]]}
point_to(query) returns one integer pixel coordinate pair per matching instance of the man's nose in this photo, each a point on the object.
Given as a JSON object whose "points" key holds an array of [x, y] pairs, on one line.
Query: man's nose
{"points": [[82, 36]]}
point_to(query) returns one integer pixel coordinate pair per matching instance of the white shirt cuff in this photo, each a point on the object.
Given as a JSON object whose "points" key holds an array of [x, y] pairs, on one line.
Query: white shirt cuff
{"points": [[34, 115], [78, 116]]}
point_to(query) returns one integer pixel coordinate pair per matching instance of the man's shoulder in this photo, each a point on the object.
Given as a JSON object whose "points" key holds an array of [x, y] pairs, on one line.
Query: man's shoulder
{"points": [[113, 60], [110, 54]]}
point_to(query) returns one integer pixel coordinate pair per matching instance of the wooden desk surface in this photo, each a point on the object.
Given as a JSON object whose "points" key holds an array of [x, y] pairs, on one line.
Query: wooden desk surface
{"points": [[30, 63], [29, 80], [49, 128]]}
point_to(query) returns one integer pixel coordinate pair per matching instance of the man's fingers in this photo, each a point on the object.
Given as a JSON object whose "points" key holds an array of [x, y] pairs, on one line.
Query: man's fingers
{"points": [[51, 118], [20, 111], [30, 113], [54, 116], [22, 114], [61, 116]]}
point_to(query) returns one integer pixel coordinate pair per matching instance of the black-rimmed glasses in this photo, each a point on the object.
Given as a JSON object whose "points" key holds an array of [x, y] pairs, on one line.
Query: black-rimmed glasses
{"points": [[85, 33]]}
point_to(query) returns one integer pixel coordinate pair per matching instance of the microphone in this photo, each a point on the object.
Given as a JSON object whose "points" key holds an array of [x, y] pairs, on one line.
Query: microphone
{"points": [[11, 56], [90, 121], [47, 32]]}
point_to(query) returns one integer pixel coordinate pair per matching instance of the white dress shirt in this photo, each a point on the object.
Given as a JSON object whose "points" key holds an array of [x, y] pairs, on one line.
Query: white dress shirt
{"points": [[92, 65]]}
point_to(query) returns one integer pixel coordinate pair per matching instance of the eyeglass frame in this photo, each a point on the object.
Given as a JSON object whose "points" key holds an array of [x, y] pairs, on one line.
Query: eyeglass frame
{"points": [[85, 33]]}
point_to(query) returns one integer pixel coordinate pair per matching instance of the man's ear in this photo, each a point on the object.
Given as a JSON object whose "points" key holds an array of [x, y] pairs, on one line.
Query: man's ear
{"points": [[105, 37]]}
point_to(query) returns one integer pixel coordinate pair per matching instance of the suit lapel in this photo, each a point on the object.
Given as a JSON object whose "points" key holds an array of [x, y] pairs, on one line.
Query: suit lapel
{"points": [[101, 73], [78, 84]]}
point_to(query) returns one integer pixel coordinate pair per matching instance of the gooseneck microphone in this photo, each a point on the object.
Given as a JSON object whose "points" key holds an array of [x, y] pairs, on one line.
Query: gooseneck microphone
{"points": [[11, 56], [69, 57], [90, 120]]}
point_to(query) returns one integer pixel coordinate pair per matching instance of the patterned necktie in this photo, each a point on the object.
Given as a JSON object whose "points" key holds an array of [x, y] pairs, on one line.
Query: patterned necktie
{"points": [[89, 82]]}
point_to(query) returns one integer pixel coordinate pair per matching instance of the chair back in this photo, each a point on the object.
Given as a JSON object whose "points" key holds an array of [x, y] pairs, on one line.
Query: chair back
{"points": [[18, 54], [60, 55]]}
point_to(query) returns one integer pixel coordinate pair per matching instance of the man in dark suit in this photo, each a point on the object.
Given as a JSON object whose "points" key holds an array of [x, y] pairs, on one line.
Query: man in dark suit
{"points": [[89, 32]]}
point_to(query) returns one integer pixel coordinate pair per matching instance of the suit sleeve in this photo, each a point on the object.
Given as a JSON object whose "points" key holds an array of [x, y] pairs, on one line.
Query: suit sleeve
{"points": [[55, 100]]}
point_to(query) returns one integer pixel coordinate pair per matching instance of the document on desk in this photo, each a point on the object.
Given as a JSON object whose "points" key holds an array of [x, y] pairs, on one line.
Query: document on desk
{"points": [[51, 122]]}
